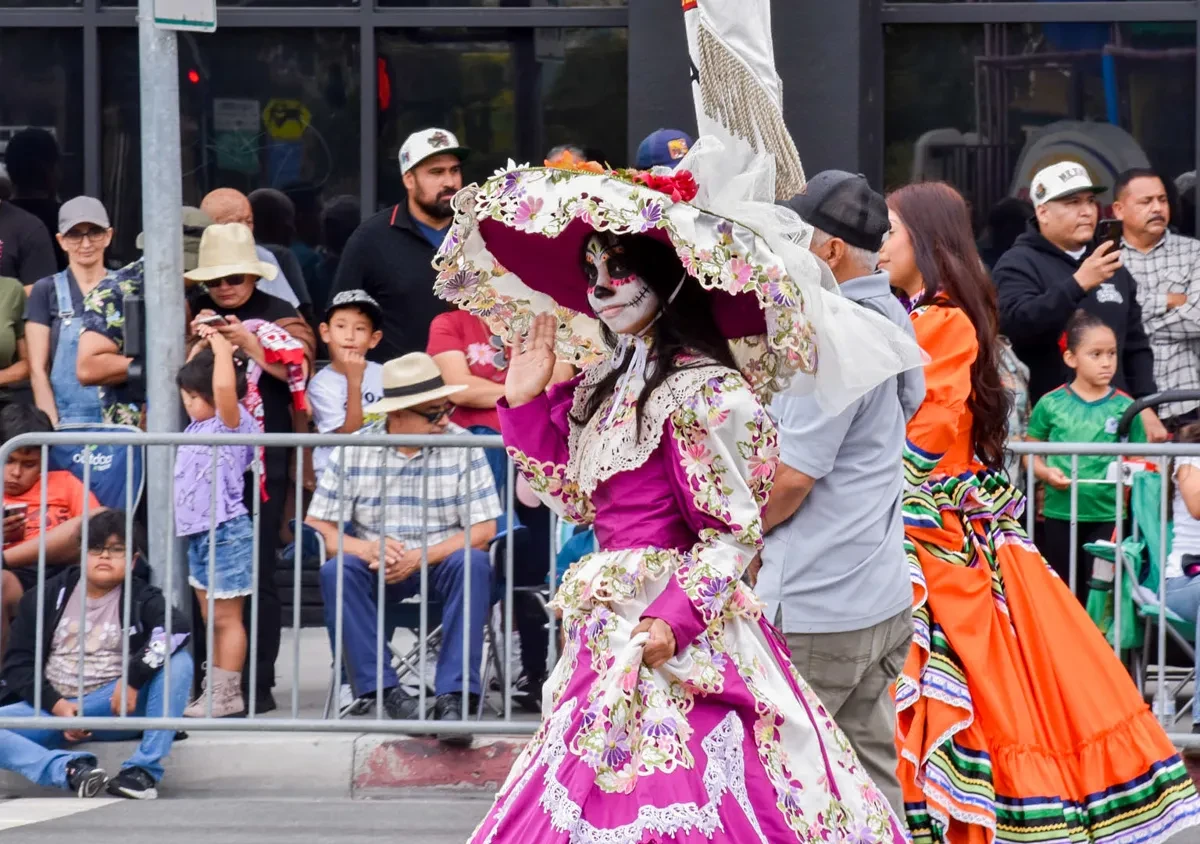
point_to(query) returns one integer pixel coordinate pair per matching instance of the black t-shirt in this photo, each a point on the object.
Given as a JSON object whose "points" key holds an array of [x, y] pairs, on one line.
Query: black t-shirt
{"points": [[45, 210], [42, 306], [276, 397], [26, 248]]}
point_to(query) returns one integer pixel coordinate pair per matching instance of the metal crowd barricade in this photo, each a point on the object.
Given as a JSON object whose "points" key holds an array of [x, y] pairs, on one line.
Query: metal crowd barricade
{"points": [[166, 571], [1149, 604]]}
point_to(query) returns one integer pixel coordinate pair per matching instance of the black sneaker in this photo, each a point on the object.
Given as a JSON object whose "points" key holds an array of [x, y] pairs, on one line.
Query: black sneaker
{"points": [[134, 783], [449, 708], [264, 702], [527, 693], [85, 778], [399, 704]]}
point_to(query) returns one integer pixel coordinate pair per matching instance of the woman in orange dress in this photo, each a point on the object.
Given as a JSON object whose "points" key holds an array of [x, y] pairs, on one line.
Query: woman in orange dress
{"points": [[1015, 720]]}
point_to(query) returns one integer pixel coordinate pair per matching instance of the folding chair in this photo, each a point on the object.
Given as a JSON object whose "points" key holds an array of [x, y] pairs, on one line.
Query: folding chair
{"points": [[1141, 570], [110, 464]]}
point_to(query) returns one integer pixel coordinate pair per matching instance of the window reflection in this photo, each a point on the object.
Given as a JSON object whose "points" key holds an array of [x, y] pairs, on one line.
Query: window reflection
{"points": [[511, 93], [48, 64], [986, 106], [259, 108]]}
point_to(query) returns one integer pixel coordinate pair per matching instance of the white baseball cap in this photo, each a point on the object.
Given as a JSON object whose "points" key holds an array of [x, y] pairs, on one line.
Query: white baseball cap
{"points": [[1066, 178], [428, 143]]}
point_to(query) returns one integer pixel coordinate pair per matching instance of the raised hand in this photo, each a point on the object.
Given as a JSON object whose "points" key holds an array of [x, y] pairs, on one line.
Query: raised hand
{"points": [[532, 364]]}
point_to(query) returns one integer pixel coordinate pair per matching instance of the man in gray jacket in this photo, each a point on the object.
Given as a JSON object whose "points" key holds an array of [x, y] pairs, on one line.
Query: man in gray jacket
{"points": [[834, 573]]}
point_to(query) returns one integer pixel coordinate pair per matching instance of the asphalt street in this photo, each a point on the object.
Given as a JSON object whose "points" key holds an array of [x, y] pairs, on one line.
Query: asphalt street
{"points": [[426, 820]]}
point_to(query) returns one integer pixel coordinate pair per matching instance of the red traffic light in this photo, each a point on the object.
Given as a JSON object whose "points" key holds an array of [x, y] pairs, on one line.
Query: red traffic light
{"points": [[193, 76]]}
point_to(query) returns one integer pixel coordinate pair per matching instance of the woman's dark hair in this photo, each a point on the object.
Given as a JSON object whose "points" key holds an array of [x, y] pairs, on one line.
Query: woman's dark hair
{"points": [[686, 327], [109, 523], [1080, 323], [939, 224], [196, 376]]}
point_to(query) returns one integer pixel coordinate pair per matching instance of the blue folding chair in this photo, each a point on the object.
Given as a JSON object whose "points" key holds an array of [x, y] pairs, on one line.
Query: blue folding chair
{"points": [[110, 464]]}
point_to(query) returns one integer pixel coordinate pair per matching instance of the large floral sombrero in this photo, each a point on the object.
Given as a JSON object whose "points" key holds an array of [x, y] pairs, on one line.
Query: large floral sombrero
{"points": [[513, 252]]}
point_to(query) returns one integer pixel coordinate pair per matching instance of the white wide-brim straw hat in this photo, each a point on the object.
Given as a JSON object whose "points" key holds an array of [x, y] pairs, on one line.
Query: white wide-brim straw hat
{"points": [[410, 381], [228, 249]]}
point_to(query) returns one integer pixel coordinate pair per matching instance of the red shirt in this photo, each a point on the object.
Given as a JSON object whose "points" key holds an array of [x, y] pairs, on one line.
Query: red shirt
{"points": [[459, 331], [64, 500]]}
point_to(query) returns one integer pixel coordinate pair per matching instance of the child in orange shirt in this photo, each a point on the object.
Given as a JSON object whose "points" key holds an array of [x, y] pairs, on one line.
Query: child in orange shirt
{"points": [[22, 506]]}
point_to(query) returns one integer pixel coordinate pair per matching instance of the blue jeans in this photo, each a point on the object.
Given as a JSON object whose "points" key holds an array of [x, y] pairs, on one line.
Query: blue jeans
{"points": [[38, 756], [359, 611], [1183, 599]]}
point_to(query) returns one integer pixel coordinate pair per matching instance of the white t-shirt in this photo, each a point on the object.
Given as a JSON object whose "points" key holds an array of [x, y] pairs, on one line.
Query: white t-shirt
{"points": [[1185, 531], [278, 286], [327, 396]]}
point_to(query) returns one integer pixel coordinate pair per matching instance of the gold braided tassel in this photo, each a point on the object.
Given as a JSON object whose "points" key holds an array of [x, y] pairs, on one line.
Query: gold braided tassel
{"points": [[732, 95]]}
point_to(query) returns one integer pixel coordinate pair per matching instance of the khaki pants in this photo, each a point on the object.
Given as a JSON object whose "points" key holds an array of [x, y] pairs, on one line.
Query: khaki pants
{"points": [[852, 673]]}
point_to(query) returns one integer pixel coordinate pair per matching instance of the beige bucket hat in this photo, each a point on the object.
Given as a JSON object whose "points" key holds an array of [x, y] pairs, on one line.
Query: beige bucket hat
{"points": [[409, 381], [228, 249]]}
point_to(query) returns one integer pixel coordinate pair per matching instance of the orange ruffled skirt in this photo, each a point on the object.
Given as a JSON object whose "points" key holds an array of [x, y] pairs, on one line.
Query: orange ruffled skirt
{"points": [[1016, 721]]}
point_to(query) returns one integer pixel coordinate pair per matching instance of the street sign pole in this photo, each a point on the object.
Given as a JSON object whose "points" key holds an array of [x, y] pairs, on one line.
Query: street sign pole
{"points": [[162, 201]]}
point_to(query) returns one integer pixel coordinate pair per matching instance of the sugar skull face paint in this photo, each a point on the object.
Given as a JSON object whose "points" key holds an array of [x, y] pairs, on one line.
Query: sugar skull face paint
{"points": [[619, 297]]}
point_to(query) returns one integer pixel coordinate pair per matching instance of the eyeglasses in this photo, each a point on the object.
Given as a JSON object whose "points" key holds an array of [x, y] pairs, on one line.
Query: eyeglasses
{"points": [[229, 280], [436, 415], [93, 235], [113, 552]]}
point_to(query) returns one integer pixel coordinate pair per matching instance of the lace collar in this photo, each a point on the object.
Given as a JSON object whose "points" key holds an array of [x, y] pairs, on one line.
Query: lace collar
{"points": [[611, 441]]}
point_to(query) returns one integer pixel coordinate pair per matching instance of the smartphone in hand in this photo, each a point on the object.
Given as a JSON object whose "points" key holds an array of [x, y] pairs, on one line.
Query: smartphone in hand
{"points": [[1109, 231]]}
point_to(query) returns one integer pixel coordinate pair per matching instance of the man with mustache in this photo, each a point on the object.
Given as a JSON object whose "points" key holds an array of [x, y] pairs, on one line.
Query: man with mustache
{"points": [[390, 255], [1166, 266]]}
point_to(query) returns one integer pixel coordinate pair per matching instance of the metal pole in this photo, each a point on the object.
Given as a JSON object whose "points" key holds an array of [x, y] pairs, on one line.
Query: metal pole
{"points": [[162, 199]]}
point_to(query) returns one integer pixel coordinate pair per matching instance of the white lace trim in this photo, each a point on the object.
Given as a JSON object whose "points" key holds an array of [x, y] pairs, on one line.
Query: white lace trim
{"points": [[724, 773], [599, 451]]}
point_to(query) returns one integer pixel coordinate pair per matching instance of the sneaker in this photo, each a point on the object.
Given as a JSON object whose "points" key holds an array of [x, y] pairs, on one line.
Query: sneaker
{"points": [[264, 702], [133, 783], [85, 778], [399, 704], [449, 708], [527, 693]]}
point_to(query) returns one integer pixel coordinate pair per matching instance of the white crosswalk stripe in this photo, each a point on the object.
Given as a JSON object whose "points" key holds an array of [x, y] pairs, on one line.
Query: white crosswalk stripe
{"points": [[31, 810]]}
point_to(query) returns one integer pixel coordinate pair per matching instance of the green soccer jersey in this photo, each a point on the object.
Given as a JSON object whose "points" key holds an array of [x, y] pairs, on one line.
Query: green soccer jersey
{"points": [[1063, 417]]}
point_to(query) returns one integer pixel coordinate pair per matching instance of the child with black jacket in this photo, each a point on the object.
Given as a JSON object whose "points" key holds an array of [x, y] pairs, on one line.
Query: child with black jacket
{"points": [[39, 755]]}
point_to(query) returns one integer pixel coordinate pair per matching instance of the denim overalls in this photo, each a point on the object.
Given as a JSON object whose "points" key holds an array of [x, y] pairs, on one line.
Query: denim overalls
{"points": [[75, 402]]}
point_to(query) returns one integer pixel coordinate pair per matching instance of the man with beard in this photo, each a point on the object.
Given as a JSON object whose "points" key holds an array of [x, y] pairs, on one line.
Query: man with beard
{"points": [[390, 255], [1167, 269]]}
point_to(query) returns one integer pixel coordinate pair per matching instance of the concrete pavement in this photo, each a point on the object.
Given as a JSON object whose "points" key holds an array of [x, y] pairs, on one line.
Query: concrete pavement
{"points": [[274, 821]]}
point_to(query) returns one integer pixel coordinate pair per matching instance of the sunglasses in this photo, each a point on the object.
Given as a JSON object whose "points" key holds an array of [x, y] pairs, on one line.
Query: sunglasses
{"points": [[93, 235], [227, 281], [436, 415]]}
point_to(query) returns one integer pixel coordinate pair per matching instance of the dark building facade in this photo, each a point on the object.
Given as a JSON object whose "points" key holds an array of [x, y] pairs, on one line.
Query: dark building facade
{"points": [[319, 94]]}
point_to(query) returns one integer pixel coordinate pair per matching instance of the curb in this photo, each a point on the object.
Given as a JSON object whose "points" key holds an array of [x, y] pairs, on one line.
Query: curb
{"points": [[384, 765]]}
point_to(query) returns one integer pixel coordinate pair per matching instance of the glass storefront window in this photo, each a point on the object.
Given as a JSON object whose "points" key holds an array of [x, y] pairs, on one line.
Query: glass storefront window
{"points": [[259, 108], [49, 65], [506, 93], [986, 106], [502, 3]]}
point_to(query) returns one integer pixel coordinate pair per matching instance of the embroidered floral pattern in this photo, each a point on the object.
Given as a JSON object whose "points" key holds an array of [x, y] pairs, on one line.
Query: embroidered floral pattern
{"points": [[720, 254], [548, 481], [728, 448]]}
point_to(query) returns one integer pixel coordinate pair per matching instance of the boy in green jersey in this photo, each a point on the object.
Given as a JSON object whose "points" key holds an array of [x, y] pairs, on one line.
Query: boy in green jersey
{"points": [[1088, 410]]}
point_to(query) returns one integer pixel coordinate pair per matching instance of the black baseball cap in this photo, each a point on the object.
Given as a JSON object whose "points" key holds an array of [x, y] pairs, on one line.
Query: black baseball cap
{"points": [[843, 205]]}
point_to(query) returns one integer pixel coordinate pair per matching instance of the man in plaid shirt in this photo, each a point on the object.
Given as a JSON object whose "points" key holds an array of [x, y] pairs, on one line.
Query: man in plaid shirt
{"points": [[400, 504], [1166, 267]]}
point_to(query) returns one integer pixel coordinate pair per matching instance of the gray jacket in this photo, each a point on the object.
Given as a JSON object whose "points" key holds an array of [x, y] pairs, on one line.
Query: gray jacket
{"points": [[875, 292]]}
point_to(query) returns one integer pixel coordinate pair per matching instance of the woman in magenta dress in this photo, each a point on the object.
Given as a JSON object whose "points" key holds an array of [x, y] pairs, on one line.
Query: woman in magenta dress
{"points": [[674, 713]]}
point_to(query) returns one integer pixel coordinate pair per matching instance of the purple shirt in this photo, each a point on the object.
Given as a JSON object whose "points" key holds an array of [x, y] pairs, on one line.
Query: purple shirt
{"points": [[193, 470]]}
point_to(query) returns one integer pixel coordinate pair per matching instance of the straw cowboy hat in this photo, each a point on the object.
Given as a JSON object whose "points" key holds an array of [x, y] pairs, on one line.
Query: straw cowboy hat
{"points": [[228, 249], [409, 381]]}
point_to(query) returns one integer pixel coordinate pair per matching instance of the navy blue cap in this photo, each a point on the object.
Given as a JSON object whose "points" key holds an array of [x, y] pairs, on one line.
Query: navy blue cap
{"points": [[663, 148]]}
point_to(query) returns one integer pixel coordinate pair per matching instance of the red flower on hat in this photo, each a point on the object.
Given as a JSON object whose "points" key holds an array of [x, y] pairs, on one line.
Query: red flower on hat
{"points": [[680, 185]]}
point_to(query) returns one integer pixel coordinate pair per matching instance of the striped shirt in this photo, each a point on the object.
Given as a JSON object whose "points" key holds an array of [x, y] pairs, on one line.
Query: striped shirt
{"points": [[1171, 266], [364, 474]]}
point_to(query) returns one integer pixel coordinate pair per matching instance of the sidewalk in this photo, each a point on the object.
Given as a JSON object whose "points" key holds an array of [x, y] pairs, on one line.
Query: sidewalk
{"points": [[314, 765]]}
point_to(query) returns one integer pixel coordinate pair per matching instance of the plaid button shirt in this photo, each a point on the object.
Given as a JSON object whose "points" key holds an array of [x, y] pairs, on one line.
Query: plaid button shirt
{"points": [[368, 472], [1171, 266]]}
